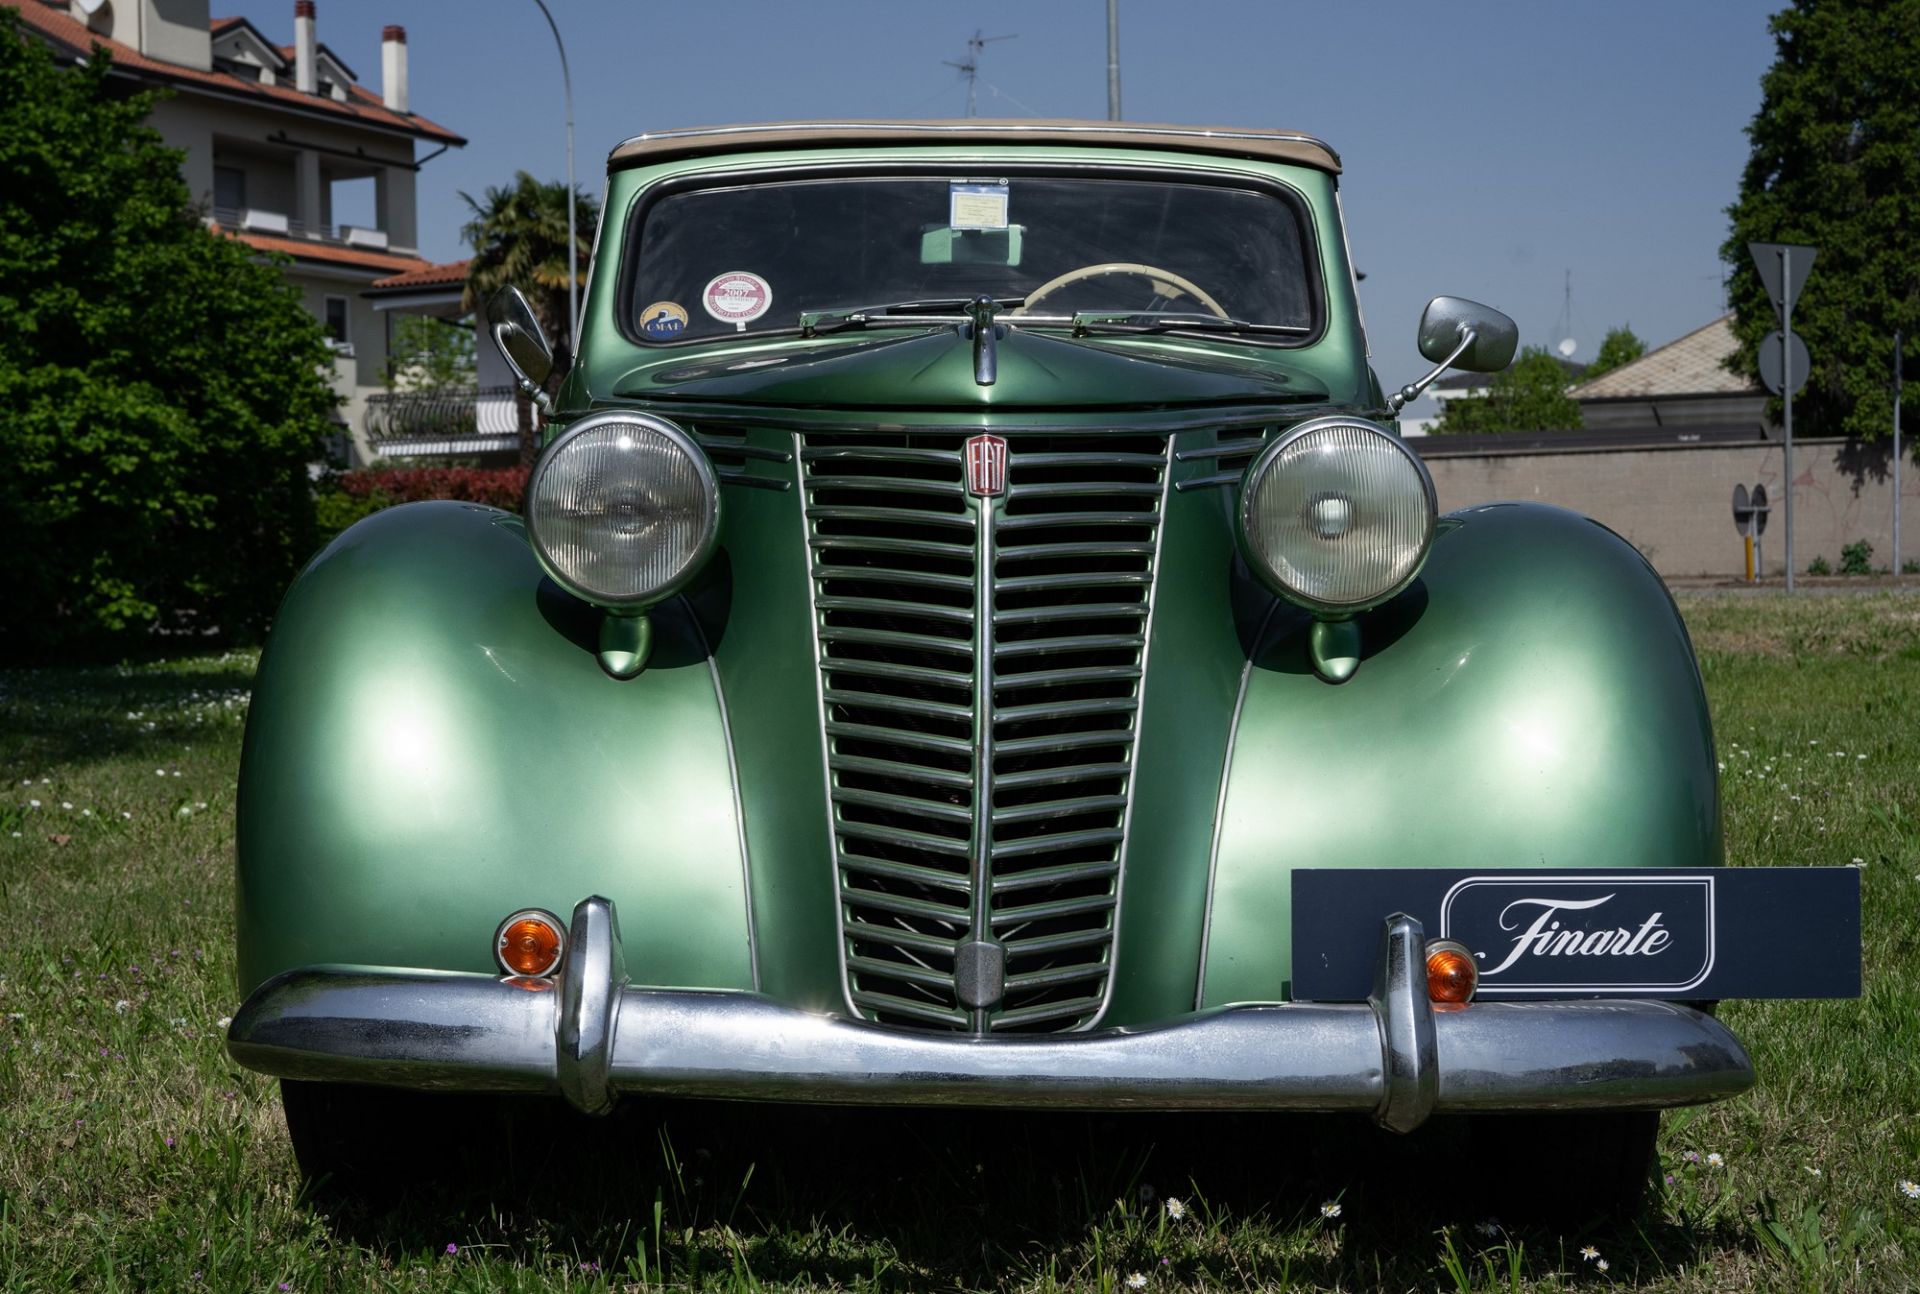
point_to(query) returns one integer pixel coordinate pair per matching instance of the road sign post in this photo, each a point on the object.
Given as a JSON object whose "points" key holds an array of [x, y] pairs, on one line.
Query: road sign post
{"points": [[1783, 271]]}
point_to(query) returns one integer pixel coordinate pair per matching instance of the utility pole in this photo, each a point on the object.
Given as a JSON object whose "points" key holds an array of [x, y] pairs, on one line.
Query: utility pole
{"points": [[1896, 453], [573, 238], [1113, 60], [970, 66]]}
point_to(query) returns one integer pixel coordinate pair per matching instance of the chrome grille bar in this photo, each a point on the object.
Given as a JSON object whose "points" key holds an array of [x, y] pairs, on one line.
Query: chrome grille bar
{"points": [[980, 670]]}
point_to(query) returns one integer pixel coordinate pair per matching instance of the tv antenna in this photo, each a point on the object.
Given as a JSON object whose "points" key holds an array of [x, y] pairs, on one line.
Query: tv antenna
{"points": [[1564, 325], [970, 66]]}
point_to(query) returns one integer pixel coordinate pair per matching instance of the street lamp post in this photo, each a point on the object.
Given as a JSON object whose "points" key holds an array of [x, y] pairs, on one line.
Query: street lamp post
{"points": [[573, 242]]}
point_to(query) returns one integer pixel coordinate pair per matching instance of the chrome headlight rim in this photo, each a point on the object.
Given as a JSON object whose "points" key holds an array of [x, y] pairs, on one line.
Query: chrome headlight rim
{"points": [[1257, 560], [703, 470]]}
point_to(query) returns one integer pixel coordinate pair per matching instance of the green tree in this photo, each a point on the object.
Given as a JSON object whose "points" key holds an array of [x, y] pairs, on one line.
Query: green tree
{"points": [[519, 238], [429, 354], [1618, 347], [1530, 395], [161, 391], [1835, 162]]}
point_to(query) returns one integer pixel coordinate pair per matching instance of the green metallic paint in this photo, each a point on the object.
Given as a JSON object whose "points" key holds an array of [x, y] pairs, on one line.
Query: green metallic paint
{"points": [[434, 741], [763, 648], [432, 744], [1193, 666], [1531, 701], [625, 643], [1334, 646], [934, 369]]}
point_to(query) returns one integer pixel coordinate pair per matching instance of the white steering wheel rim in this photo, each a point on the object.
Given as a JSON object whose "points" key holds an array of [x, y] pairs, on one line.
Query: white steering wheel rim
{"points": [[1158, 276]]}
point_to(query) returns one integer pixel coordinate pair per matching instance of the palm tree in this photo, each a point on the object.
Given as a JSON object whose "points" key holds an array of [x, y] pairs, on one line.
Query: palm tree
{"points": [[519, 238]]}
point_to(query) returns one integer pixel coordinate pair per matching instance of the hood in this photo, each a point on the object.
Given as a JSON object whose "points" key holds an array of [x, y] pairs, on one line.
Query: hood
{"points": [[934, 369]]}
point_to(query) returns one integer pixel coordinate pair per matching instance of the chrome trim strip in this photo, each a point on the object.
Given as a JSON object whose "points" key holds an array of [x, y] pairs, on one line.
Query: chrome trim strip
{"points": [[826, 748], [733, 779], [1220, 805], [435, 1029], [1133, 747], [984, 715]]}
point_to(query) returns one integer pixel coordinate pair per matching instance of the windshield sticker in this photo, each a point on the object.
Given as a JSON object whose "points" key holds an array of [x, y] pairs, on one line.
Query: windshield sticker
{"points": [[738, 298], [977, 206], [663, 320]]}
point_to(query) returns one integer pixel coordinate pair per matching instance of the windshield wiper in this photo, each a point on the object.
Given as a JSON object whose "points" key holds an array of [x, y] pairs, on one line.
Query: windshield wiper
{"points": [[1159, 321], [895, 314]]}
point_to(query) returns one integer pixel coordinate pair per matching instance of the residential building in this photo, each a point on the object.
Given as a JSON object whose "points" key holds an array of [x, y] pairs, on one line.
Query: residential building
{"points": [[277, 138], [1685, 383]]}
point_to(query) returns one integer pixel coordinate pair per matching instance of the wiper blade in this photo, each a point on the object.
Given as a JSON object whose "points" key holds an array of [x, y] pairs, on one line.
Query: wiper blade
{"points": [[1159, 321], [895, 314]]}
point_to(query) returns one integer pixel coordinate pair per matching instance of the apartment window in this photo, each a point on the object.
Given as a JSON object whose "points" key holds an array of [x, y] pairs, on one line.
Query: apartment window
{"points": [[229, 187], [336, 317]]}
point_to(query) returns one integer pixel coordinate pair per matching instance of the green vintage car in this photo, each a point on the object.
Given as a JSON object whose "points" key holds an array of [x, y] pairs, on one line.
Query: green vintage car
{"points": [[972, 577]]}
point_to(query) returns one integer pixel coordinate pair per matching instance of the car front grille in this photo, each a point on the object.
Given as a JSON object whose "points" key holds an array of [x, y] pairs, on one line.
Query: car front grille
{"points": [[980, 739]]}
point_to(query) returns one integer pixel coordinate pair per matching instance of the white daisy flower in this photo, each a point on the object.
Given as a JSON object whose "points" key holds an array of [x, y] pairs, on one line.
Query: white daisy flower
{"points": [[1135, 1281], [1176, 1210], [1331, 1209], [1589, 1253]]}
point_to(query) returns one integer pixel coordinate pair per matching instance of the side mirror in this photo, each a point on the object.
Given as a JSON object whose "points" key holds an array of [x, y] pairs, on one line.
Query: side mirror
{"points": [[1458, 333], [1448, 320], [520, 339]]}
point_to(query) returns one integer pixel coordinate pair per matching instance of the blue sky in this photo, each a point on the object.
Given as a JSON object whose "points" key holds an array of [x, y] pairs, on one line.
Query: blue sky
{"points": [[1490, 148]]}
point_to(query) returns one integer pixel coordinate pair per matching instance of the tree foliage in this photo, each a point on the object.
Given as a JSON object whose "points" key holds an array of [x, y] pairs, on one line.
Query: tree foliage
{"points": [[1530, 395], [161, 392], [1620, 346], [519, 238], [1835, 162]]}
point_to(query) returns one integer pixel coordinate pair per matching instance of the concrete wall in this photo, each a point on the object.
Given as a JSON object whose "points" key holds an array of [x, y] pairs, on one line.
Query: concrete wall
{"points": [[1675, 503]]}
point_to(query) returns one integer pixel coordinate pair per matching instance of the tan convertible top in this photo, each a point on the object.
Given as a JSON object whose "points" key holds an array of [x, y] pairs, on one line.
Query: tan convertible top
{"points": [[1230, 141]]}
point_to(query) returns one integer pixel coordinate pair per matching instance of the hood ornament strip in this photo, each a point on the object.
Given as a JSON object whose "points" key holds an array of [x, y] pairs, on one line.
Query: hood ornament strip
{"points": [[986, 336]]}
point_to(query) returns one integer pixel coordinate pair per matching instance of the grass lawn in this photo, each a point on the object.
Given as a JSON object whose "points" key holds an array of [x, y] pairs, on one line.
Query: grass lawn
{"points": [[134, 1155]]}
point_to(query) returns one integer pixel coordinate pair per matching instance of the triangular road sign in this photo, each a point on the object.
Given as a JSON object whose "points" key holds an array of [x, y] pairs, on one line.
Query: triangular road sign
{"points": [[1783, 283]]}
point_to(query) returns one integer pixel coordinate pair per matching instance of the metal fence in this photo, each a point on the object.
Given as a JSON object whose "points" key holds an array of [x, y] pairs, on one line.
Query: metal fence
{"points": [[452, 420]]}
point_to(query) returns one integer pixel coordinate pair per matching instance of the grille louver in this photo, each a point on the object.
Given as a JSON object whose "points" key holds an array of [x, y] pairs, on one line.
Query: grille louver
{"points": [[980, 738]]}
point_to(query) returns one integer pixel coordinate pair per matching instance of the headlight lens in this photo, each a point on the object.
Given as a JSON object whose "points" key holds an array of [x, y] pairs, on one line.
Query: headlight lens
{"points": [[1337, 514], [622, 508]]}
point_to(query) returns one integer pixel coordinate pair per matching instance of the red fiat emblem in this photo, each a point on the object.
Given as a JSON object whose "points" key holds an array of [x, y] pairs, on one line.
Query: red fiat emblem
{"points": [[986, 466]]}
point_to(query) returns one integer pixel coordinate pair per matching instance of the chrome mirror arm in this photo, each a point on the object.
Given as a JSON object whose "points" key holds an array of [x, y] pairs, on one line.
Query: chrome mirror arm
{"points": [[1411, 391], [541, 400]]}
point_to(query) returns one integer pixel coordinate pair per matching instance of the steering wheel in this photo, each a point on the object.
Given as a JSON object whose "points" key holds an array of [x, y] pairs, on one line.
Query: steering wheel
{"points": [[1166, 284]]}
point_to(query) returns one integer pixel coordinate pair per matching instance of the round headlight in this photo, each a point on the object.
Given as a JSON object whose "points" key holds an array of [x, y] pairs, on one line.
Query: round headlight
{"points": [[1337, 514], [622, 508]]}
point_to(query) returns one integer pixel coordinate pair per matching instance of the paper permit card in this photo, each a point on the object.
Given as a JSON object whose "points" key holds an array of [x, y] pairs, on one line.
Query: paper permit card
{"points": [[977, 206]]}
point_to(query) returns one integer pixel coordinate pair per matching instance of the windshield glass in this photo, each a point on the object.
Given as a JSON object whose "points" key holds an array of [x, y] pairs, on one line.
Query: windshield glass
{"points": [[751, 257]]}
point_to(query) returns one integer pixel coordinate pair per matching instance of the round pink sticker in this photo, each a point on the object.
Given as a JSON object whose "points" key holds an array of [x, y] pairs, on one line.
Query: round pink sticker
{"points": [[737, 297]]}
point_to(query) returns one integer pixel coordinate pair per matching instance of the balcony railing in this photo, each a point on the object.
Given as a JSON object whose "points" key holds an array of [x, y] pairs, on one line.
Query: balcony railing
{"points": [[452, 420], [257, 220]]}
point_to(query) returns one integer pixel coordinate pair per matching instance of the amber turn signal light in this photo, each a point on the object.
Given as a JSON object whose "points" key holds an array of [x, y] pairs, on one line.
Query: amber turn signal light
{"points": [[529, 943], [1451, 972]]}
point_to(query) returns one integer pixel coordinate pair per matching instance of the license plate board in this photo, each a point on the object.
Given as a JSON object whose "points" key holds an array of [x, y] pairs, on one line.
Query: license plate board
{"points": [[1732, 932]]}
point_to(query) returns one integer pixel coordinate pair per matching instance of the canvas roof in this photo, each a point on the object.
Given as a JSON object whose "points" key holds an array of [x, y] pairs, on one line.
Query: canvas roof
{"points": [[1232, 141]]}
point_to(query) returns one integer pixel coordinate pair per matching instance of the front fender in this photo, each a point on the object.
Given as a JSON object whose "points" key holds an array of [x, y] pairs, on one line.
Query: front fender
{"points": [[432, 744], [1532, 701]]}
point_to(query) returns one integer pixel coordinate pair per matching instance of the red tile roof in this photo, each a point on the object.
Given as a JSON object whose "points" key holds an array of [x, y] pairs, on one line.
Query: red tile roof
{"points": [[305, 249], [430, 276], [362, 105]]}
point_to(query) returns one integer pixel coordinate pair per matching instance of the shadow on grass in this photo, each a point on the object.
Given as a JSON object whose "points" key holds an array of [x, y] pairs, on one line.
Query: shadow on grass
{"points": [[55, 717], [916, 1199]]}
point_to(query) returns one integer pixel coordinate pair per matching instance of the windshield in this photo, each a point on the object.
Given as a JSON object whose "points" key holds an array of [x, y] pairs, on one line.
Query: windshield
{"points": [[752, 257]]}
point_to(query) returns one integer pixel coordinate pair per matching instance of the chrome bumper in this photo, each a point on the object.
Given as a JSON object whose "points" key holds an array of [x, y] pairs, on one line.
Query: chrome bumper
{"points": [[591, 1036]]}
